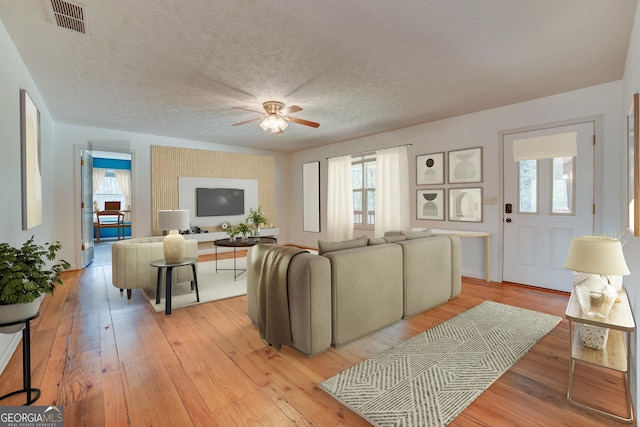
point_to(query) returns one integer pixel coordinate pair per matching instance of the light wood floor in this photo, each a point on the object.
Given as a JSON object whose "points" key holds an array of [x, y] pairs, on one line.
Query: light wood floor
{"points": [[113, 364]]}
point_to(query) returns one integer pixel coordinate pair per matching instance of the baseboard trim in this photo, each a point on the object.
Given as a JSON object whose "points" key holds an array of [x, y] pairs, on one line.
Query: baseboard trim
{"points": [[5, 356]]}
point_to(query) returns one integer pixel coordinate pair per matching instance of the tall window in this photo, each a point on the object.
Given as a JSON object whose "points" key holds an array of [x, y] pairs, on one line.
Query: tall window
{"points": [[363, 172], [109, 190]]}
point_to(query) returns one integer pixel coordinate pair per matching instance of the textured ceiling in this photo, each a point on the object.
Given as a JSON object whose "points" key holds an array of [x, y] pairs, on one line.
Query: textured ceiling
{"points": [[357, 67]]}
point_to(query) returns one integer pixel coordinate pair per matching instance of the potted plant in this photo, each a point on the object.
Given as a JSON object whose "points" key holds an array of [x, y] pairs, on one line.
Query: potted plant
{"points": [[25, 276], [232, 232], [257, 218], [243, 228]]}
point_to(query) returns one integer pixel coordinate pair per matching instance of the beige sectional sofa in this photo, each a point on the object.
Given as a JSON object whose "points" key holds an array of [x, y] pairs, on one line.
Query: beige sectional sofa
{"points": [[356, 287], [130, 260]]}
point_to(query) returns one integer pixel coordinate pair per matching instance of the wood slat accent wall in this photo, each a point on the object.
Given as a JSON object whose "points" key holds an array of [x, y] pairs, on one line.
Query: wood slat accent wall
{"points": [[169, 163]]}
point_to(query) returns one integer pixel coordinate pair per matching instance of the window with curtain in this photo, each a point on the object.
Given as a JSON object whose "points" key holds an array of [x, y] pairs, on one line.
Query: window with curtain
{"points": [[109, 190], [363, 174]]}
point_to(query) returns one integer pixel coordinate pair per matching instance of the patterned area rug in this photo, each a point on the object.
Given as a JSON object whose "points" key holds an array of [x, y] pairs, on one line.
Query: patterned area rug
{"points": [[431, 378]]}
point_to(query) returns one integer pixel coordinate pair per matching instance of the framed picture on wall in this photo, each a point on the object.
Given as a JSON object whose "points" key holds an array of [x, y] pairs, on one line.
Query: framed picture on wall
{"points": [[430, 204], [633, 201], [465, 204], [31, 162], [465, 166], [430, 169], [311, 197]]}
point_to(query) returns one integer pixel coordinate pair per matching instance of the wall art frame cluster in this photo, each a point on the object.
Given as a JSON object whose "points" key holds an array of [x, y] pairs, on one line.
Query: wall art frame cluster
{"points": [[464, 203]]}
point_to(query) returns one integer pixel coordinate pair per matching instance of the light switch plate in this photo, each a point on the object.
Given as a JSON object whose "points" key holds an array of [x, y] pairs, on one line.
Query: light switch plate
{"points": [[490, 200]]}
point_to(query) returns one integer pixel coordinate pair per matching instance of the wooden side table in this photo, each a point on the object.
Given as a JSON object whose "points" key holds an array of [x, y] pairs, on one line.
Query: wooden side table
{"points": [[33, 394], [617, 353], [169, 266]]}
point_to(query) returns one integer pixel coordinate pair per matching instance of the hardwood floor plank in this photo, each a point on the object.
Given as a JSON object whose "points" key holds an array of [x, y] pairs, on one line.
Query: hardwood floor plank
{"points": [[152, 398], [115, 407]]}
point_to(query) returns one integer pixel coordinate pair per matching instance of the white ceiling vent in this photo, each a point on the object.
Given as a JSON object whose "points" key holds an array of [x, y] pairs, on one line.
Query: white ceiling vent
{"points": [[69, 15]]}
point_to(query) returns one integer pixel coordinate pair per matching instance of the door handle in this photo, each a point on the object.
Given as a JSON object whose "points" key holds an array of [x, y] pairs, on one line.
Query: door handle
{"points": [[508, 220]]}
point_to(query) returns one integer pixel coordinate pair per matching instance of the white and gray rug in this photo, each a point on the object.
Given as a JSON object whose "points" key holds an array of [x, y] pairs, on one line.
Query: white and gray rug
{"points": [[431, 378], [212, 286]]}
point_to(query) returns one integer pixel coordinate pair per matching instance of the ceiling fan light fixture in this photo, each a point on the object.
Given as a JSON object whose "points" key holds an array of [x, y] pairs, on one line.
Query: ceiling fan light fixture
{"points": [[275, 118], [274, 124]]}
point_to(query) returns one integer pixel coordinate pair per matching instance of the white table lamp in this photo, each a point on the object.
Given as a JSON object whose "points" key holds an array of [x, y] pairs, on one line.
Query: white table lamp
{"points": [[596, 259], [173, 221]]}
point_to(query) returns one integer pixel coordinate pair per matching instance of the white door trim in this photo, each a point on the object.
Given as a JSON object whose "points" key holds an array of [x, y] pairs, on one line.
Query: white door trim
{"points": [[597, 176]]}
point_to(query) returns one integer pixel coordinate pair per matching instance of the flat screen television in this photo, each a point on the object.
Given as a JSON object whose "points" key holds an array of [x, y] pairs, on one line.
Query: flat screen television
{"points": [[219, 201]]}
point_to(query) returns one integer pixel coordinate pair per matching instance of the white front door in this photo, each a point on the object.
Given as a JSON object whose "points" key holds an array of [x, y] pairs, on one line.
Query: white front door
{"points": [[547, 202]]}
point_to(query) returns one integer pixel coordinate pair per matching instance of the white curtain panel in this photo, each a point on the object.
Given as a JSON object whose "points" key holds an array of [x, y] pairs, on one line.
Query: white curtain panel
{"points": [[98, 176], [124, 181], [339, 199], [392, 190]]}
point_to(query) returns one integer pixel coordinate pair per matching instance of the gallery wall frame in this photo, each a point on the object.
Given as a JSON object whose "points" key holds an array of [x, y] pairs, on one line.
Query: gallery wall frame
{"points": [[430, 204], [465, 166], [311, 197], [465, 204], [430, 169], [633, 190], [31, 158]]}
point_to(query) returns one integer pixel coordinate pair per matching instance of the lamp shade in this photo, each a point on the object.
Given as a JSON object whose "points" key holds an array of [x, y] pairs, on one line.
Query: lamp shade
{"points": [[173, 220], [596, 255]]}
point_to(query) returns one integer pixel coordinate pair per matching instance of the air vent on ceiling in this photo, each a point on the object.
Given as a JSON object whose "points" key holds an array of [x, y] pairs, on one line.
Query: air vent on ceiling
{"points": [[69, 15]]}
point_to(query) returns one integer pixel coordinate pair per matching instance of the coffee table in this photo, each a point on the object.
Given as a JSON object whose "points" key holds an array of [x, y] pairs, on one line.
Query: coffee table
{"points": [[238, 243]]}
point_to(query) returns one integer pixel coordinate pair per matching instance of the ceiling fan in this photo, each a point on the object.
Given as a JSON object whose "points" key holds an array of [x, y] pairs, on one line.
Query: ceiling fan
{"points": [[275, 117]]}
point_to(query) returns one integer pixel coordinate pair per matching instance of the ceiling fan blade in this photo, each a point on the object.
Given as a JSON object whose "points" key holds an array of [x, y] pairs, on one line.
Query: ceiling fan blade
{"points": [[302, 121], [291, 109], [246, 109], [247, 121]]}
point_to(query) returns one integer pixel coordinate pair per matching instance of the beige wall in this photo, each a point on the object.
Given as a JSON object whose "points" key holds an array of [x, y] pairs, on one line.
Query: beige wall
{"points": [[169, 163]]}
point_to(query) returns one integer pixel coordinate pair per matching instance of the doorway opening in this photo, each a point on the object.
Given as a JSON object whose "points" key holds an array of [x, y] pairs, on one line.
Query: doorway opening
{"points": [[106, 200]]}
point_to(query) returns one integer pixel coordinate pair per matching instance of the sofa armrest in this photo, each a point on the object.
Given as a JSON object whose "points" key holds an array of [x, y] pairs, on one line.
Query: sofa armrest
{"points": [[309, 292]]}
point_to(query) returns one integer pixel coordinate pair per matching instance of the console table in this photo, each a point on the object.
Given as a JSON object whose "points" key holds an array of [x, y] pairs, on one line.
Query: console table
{"points": [[238, 243], [616, 354], [33, 394], [169, 266], [464, 233]]}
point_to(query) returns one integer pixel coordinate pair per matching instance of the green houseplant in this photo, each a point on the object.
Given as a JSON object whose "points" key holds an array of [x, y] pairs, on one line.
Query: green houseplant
{"points": [[257, 218], [243, 228], [25, 276], [232, 232]]}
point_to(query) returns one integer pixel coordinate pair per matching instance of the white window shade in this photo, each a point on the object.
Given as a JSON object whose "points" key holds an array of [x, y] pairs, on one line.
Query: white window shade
{"points": [[545, 147]]}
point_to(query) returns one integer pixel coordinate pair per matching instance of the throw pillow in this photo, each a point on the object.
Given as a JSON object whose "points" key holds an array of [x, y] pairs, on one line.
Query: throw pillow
{"points": [[324, 246], [395, 238]]}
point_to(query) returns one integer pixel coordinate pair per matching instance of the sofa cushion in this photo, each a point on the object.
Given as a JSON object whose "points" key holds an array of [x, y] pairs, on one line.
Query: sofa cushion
{"points": [[324, 246], [417, 234], [376, 241], [394, 238]]}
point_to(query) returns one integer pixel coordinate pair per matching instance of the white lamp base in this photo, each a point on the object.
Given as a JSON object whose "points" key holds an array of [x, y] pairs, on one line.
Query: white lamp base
{"points": [[173, 245]]}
